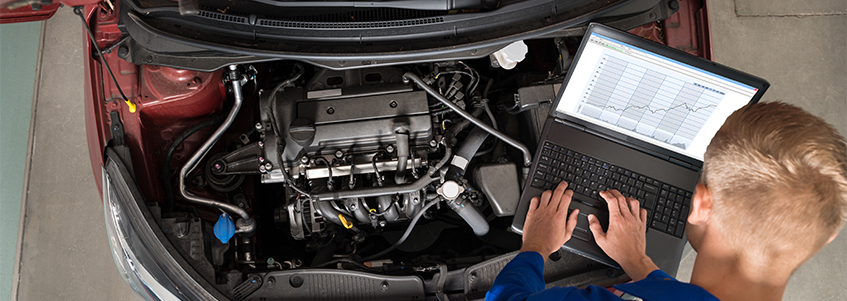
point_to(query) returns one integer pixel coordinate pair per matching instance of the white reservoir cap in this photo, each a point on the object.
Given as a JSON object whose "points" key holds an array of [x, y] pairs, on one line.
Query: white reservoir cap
{"points": [[449, 190], [511, 55]]}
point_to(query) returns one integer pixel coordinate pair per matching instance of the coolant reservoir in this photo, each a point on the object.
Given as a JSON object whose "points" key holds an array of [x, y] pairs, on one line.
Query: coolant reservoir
{"points": [[511, 55]]}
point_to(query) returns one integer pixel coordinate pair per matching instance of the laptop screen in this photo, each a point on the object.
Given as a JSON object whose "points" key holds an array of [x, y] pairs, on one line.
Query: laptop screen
{"points": [[650, 97]]}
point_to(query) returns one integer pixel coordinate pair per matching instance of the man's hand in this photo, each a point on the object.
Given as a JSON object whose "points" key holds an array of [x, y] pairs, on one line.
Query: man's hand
{"points": [[547, 226], [626, 240]]}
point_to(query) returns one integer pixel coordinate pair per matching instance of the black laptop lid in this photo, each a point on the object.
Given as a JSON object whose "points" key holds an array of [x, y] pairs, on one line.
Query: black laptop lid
{"points": [[650, 96]]}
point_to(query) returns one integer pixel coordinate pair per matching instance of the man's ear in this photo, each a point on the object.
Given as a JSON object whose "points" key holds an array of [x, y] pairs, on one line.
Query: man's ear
{"points": [[701, 205], [831, 238]]}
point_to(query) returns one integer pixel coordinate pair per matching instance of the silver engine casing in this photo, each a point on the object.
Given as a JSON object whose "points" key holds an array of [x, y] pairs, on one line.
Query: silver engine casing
{"points": [[358, 118]]}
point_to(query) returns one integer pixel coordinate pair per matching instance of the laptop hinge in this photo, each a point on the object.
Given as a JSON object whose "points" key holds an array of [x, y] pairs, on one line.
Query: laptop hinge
{"points": [[573, 125], [681, 163], [626, 143]]}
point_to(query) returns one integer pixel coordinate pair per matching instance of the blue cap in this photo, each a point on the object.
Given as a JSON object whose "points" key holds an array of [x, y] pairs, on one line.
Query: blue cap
{"points": [[224, 228]]}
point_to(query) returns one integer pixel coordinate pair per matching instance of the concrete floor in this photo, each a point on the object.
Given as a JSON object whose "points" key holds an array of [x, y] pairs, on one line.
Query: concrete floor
{"points": [[65, 253], [799, 48]]}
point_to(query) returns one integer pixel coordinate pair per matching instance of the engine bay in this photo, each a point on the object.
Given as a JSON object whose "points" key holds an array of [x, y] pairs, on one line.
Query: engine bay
{"points": [[397, 170], [404, 175]]}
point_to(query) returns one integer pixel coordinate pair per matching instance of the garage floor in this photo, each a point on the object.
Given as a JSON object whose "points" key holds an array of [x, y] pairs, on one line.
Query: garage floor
{"points": [[799, 46]]}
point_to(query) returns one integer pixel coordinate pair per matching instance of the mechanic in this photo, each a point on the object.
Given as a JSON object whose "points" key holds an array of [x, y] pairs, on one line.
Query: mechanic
{"points": [[773, 192]]}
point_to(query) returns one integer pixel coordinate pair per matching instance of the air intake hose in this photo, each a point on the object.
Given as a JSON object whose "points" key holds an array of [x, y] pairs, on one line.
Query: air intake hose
{"points": [[471, 215]]}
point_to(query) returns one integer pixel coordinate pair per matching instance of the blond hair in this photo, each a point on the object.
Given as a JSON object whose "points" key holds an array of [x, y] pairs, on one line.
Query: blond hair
{"points": [[778, 179]]}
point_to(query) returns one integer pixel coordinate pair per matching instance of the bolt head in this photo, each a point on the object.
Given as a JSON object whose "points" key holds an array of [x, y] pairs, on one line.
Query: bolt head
{"points": [[218, 167], [269, 166], [433, 143], [330, 110], [339, 154], [258, 126], [382, 223], [304, 159], [393, 104], [261, 144], [262, 168], [261, 159], [389, 148]]}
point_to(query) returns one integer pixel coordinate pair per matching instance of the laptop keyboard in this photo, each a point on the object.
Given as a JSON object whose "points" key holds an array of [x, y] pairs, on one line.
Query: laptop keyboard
{"points": [[666, 205]]}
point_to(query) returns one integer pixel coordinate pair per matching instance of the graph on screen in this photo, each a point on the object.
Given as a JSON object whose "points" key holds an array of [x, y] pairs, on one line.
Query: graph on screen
{"points": [[646, 100]]}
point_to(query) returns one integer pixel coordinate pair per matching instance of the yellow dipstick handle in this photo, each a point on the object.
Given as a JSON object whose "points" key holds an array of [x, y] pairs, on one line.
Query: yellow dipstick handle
{"points": [[347, 224], [130, 105]]}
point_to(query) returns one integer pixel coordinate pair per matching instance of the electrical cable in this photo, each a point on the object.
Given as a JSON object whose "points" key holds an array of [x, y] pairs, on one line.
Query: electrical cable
{"points": [[490, 115], [78, 12], [349, 261], [110, 48], [376, 170], [329, 170]]}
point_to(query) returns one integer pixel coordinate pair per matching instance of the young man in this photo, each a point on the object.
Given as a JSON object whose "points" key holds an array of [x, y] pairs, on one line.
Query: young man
{"points": [[773, 192]]}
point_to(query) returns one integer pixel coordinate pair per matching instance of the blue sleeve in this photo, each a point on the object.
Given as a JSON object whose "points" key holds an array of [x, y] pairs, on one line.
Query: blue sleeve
{"points": [[523, 279], [518, 279]]}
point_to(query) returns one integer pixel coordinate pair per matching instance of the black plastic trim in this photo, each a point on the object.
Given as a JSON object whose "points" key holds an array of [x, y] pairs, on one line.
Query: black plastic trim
{"points": [[461, 35]]}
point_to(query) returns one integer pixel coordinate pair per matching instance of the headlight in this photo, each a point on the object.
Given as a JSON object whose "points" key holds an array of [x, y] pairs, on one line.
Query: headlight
{"points": [[141, 258]]}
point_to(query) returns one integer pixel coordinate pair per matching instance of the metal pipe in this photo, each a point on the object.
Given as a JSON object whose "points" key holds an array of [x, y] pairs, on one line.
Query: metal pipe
{"points": [[333, 215], [527, 157], [189, 166], [374, 191]]}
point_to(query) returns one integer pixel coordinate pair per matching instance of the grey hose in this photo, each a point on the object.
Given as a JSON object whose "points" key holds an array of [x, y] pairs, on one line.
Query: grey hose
{"points": [[405, 234], [247, 224], [402, 156], [471, 215], [527, 157]]}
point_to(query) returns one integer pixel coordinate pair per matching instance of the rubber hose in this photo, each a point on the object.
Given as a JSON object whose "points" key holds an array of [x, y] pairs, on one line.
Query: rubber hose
{"points": [[471, 215], [471, 144], [402, 157]]}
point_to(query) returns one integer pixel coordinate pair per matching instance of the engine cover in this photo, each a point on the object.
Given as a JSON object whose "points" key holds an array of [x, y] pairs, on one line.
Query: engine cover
{"points": [[361, 120]]}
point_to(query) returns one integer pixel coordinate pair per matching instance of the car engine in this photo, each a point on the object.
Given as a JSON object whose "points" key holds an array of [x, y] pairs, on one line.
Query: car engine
{"points": [[346, 163]]}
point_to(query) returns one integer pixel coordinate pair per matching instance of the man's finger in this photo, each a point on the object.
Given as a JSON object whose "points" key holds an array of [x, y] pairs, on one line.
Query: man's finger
{"points": [[571, 224], [612, 202], [565, 201], [644, 216], [622, 204], [545, 198], [533, 205], [572, 220], [557, 194], [633, 207], [596, 228]]}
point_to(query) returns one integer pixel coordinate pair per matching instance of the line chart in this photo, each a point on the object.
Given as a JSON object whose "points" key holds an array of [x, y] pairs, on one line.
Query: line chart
{"points": [[647, 101], [690, 109]]}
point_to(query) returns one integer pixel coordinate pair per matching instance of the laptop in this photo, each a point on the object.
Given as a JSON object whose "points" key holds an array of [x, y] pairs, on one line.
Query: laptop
{"points": [[635, 116]]}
